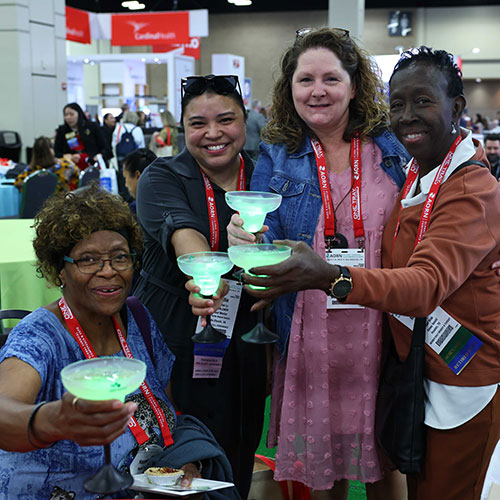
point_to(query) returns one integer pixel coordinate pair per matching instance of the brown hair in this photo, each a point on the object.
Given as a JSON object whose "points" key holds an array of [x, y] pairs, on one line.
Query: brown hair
{"points": [[42, 156], [67, 218], [368, 110]]}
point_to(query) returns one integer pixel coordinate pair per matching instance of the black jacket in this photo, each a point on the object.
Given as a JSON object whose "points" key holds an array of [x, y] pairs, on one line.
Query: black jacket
{"points": [[91, 136]]}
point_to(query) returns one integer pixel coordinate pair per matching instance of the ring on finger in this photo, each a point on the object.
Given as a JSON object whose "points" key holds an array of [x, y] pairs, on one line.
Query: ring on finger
{"points": [[73, 403]]}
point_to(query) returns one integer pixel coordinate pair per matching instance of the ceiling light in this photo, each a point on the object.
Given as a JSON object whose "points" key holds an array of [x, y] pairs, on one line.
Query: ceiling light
{"points": [[156, 59], [240, 3], [478, 80], [476, 50], [143, 59], [86, 60], [133, 5]]}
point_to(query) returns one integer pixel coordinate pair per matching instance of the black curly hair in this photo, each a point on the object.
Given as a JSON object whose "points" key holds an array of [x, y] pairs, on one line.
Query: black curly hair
{"points": [[440, 59], [67, 218]]}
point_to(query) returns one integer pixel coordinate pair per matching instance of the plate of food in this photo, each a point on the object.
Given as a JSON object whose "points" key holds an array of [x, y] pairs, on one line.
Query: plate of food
{"points": [[144, 482]]}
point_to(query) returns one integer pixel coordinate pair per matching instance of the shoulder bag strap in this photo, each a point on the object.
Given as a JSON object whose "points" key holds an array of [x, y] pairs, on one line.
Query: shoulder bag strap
{"points": [[142, 320], [418, 337], [466, 164]]}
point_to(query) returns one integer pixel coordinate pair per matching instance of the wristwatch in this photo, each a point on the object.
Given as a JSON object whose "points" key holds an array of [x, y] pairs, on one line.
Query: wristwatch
{"points": [[342, 285]]}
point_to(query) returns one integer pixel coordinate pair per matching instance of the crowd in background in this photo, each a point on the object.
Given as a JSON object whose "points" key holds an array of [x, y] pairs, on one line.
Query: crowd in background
{"points": [[329, 114]]}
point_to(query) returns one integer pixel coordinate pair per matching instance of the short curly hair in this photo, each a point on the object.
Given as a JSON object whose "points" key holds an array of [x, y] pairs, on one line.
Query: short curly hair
{"points": [[67, 218], [440, 59], [368, 110]]}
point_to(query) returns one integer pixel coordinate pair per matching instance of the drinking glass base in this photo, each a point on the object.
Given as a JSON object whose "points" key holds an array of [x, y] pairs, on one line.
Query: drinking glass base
{"points": [[259, 334], [209, 335], [108, 480]]}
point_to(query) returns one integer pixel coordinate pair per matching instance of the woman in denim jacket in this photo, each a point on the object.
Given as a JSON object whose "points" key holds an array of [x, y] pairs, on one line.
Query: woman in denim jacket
{"points": [[329, 115]]}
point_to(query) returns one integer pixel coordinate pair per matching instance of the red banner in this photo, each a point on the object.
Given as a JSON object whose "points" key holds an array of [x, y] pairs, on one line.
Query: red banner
{"points": [[150, 28], [190, 49], [77, 25]]}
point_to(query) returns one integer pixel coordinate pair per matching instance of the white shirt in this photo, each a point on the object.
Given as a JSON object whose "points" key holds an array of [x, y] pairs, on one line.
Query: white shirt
{"points": [[137, 134], [449, 406]]}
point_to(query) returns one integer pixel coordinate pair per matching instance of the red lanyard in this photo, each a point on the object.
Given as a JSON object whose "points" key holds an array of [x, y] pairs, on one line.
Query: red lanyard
{"points": [[431, 196], [212, 209], [324, 185], [79, 335]]}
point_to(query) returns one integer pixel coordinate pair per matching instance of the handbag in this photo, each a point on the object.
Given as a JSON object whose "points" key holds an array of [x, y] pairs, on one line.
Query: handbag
{"points": [[399, 417]]}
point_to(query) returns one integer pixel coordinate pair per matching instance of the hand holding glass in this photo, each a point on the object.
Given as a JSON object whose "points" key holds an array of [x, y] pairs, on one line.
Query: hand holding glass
{"points": [[206, 268], [256, 255], [100, 379], [253, 206]]}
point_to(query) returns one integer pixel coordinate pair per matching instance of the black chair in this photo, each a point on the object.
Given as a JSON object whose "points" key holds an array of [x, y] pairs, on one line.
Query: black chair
{"points": [[9, 314], [37, 187], [10, 145], [88, 175]]}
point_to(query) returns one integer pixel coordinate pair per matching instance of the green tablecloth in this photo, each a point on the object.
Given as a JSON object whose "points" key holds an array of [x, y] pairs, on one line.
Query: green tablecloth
{"points": [[20, 287]]}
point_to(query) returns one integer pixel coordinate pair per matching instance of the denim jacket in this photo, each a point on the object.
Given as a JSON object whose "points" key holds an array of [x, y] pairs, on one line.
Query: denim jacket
{"points": [[295, 178]]}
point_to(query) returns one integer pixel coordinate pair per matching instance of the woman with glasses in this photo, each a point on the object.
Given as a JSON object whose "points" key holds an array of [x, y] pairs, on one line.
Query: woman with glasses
{"points": [[51, 441], [173, 200], [328, 151]]}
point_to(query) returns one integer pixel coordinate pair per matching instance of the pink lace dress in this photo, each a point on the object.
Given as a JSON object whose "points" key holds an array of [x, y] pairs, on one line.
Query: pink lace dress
{"points": [[324, 392]]}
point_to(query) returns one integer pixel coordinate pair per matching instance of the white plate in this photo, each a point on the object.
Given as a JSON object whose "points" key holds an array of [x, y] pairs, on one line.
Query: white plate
{"points": [[141, 483]]}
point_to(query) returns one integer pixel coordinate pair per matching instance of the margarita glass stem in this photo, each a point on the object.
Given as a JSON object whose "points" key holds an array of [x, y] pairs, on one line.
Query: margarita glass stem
{"points": [[209, 334]]}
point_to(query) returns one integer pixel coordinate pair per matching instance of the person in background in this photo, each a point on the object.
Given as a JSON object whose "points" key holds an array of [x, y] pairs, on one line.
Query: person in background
{"points": [[328, 139], [480, 124], [42, 156], [164, 143], [51, 441], [442, 259], [124, 107], [108, 126], [127, 137], [255, 123], [129, 123], [133, 166], [79, 140], [492, 148], [143, 118], [172, 209]]}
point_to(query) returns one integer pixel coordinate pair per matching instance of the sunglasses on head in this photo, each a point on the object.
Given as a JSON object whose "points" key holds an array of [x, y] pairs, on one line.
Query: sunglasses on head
{"points": [[221, 84], [302, 32]]}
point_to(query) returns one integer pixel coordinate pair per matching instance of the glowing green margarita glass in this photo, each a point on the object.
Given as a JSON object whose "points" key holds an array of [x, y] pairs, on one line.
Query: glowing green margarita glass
{"points": [[253, 206], [99, 379], [206, 268], [256, 255]]}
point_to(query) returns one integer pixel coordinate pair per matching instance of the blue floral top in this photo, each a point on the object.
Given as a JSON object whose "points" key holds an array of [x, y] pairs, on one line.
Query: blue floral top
{"points": [[58, 472]]}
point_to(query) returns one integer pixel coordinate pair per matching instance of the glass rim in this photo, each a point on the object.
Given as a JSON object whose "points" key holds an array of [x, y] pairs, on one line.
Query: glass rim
{"points": [[101, 359], [249, 194], [207, 253]]}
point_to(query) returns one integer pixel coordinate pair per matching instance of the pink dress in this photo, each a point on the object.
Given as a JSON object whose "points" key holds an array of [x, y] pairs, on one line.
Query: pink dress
{"points": [[324, 393]]}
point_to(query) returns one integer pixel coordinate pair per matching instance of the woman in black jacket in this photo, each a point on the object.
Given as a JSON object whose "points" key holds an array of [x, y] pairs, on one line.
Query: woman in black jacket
{"points": [[79, 139]]}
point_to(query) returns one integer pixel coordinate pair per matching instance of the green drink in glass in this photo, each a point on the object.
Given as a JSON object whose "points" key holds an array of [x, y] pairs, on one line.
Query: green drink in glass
{"points": [[99, 379], [255, 255], [253, 206], [206, 268]]}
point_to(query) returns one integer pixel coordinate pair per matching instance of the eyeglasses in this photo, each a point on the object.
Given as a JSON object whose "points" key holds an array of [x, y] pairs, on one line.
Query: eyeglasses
{"points": [[221, 84], [302, 32], [91, 264]]}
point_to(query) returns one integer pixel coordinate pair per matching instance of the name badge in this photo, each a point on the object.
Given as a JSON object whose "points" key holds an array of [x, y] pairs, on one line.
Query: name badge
{"points": [[448, 338], [352, 257], [208, 357]]}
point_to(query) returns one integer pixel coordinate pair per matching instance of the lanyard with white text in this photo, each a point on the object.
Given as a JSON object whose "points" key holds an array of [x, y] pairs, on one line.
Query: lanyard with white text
{"points": [[212, 209], [357, 219], [79, 335], [431, 196]]}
